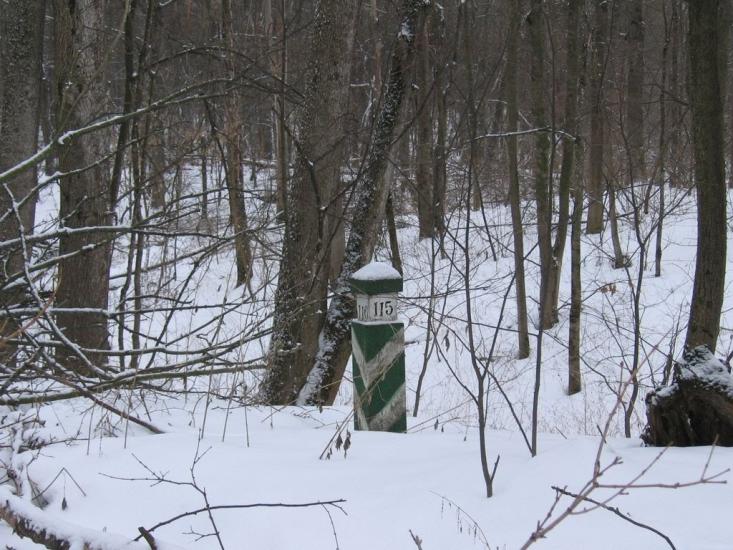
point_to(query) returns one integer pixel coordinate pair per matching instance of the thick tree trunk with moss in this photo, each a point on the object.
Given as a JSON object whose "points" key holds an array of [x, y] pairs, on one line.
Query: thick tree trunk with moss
{"points": [[371, 195], [707, 132], [300, 299]]}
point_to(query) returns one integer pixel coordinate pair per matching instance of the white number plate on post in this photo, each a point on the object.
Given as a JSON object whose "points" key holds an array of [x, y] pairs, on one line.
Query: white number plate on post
{"points": [[379, 307]]}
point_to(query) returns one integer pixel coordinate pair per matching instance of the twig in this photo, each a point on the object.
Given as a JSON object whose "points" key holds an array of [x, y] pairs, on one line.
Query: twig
{"points": [[417, 540], [144, 533], [618, 512], [334, 503]]}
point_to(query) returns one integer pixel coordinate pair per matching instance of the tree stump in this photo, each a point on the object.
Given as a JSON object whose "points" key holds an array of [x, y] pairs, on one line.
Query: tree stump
{"points": [[697, 408]]}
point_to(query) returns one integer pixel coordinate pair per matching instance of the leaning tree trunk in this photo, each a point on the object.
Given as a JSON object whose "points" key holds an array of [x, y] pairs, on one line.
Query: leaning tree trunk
{"points": [[21, 42], [85, 199], [370, 199], [300, 298], [707, 131]]}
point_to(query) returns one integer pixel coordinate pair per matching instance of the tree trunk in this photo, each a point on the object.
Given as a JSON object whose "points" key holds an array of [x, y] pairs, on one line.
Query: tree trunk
{"points": [[620, 260], [635, 90], [510, 88], [21, 46], [542, 185], [370, 199], [707, 131], [568, 164], [662, 153], [576, 290], [471, 108], [85, 198], [276, 33], [300, 299], [594, 223], [439, 153], [233, 157], [394, 243], [424, 132]]}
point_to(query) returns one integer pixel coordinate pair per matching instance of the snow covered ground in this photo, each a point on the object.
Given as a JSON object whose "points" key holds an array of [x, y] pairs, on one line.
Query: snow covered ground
{"points": [[429, 480]]}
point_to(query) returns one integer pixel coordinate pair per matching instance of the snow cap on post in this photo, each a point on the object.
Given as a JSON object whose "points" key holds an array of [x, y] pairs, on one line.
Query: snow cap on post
{"points": [[376, 278]]}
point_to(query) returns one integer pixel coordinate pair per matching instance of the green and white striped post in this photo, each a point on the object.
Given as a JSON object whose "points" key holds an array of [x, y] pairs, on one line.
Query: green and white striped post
{"points": [[378, 347]]}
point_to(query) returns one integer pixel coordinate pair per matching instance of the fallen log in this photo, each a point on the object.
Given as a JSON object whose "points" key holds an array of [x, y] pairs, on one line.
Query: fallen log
{"points": [[30, 522]]}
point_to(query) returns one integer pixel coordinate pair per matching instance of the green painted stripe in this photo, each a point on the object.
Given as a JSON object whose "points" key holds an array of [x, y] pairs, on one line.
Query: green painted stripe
{"points": [[372, 337]]}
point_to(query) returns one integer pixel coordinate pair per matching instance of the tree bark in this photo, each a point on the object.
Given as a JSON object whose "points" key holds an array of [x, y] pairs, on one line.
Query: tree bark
{"points": [[541, 176], [85, 199], [510, 88], [568, 164], [276, 33], [370, 199], [424, 132], [696, 409], [576, 290], [439, 152], [594, 223], [233, 157], [635, 90], [707, 131], [21, 47], [300, 299]]}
